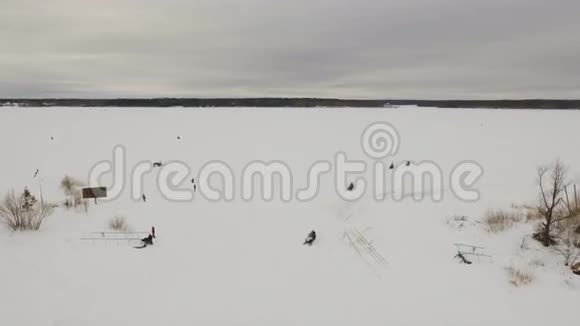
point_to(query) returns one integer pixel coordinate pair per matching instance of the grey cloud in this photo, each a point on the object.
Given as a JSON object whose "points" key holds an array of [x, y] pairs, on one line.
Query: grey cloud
{"points": [[342, 48]]}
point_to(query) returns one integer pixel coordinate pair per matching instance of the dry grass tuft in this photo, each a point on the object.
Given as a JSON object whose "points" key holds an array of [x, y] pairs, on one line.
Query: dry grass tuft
{"points": [[118, 223], [501, 220], [519, 278]]}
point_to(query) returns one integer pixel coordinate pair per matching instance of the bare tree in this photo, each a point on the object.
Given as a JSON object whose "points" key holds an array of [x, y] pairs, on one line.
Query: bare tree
{"points": [[71, 188], [553, 206]]}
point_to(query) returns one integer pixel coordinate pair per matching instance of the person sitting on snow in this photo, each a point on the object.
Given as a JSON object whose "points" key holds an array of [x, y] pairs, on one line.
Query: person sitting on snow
{"points": [[350, 187], [148, 241], [310, 238]]}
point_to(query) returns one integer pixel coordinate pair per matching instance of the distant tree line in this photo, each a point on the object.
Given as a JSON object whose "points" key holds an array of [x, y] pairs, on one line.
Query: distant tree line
{"points": [[294, 102]]}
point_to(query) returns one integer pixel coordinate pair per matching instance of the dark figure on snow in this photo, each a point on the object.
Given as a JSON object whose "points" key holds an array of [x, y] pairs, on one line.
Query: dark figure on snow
{"points": [[144, 198], [157, 164], [148, 241], [462, 258], [408, 163], [194, 185], [392, 166], [350, 187], [310, 238]]}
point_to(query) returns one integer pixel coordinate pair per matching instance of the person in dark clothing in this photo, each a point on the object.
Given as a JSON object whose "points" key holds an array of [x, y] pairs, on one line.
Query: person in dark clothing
{"points": [[148, 241], [350, 187], [310, 238], [144, 198], [392, 166], [408, 163]]}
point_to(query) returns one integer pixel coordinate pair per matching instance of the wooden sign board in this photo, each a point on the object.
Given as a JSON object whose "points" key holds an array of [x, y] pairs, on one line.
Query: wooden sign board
{"points": [[98, 192]]}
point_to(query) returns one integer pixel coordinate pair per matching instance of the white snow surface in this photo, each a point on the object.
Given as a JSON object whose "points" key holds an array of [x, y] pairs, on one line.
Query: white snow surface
{"points": [[243, 263]]}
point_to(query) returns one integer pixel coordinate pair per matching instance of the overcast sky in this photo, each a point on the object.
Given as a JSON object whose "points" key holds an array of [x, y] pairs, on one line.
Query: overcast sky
{"points": [[330, 48]]}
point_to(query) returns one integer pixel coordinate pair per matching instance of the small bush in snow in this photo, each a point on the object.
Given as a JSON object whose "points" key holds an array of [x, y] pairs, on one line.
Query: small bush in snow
{"points": [[70, 185], [72, 190], [569, 241], [23, 212], [118, 223], [518, 277], [500, 220]]}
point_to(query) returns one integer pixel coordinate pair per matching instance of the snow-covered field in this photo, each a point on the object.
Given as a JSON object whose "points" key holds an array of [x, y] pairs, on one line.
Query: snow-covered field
{"points": [[243, 262]]}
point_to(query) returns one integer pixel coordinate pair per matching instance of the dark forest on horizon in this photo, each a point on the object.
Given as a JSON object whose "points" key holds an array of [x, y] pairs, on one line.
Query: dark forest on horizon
{"points": [[293, 102]]}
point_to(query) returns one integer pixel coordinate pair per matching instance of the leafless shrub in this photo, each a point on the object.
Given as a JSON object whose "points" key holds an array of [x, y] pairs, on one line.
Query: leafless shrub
{"points": [[70, 185], [518, 277], [118, 223], [23, 212], [501, 220], [72, 190], [569, 241]]}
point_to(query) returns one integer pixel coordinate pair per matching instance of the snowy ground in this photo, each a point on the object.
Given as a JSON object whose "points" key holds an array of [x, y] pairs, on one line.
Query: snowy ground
{"points": [[243, 263]]}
